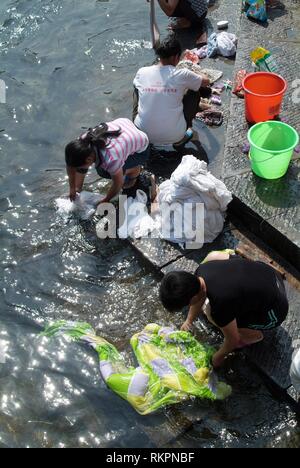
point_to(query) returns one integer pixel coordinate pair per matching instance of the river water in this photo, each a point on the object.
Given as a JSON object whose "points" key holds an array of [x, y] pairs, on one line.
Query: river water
{"points": [[67, 65]]}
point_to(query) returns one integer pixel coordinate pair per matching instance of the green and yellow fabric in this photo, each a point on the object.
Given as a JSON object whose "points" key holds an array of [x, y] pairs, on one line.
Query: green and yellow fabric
{"points": [[173, 366]]}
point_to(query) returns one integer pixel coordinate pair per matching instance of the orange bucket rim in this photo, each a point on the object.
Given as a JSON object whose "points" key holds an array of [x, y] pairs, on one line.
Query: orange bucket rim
{"points": [[264, 74]]}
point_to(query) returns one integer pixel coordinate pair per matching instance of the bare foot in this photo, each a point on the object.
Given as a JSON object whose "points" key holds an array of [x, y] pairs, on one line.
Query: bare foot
{"points": [[180, 23]]}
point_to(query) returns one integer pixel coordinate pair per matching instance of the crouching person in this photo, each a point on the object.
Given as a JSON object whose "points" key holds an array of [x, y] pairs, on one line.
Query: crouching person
{"points": [[117, 149], [245, 298]]}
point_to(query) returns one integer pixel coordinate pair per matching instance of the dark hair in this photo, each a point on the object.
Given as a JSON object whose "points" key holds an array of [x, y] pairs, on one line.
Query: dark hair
{"points": [[77, 152], [169, 47], [96, 138], [178, 289]]}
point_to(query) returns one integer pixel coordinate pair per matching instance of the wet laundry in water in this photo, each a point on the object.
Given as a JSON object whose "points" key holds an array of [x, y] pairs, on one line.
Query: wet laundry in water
{"points": [[173, 366], [84, 206]]}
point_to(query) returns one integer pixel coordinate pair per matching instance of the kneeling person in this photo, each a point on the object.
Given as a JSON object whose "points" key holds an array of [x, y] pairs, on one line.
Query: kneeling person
{"points": [[117, 149], [166, 99], [245, 297]]}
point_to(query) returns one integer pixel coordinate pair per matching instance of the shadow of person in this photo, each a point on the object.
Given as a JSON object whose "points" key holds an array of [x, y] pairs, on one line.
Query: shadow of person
{"points": [[163, 163]]}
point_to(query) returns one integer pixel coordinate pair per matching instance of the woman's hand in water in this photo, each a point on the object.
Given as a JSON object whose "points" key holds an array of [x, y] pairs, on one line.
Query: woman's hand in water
{"points": [[73, 195]]}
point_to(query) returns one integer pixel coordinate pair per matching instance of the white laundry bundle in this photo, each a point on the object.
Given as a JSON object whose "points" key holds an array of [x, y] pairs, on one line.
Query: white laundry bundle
{"points": [[295, 371], [138, 223], [84, 206], [191, 183]]}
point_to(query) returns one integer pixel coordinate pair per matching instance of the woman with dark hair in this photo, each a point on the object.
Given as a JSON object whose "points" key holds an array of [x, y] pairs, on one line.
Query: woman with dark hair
{"points": [[117, 149]]}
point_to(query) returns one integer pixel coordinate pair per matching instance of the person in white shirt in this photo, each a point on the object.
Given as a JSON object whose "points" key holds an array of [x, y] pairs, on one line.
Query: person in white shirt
{"points": [[166, 98]]}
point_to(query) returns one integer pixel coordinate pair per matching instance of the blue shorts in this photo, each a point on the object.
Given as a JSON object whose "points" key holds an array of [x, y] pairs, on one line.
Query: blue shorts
{"points": [[134, 160]]}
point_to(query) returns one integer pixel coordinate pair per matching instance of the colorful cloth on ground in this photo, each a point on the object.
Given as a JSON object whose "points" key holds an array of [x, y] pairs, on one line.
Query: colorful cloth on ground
{"points": [[173, 366]]}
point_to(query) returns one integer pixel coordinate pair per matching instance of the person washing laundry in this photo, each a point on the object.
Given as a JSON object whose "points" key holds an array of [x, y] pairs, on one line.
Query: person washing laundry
{"points": [[245, 298], [166, 99], [187, 13], [117, 149]]}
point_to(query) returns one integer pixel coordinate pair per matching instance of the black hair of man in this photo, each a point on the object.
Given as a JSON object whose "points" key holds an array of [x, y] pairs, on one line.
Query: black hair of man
{"points": [[177, 289], [77, 152], [169, 47]]}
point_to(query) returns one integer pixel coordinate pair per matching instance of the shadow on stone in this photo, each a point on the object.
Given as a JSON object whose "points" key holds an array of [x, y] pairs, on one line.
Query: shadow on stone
{"points": [[279, 193], [163, 163]]}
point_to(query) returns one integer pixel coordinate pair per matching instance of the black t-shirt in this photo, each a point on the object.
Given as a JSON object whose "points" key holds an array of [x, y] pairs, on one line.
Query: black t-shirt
{"points": [[238, 288]]}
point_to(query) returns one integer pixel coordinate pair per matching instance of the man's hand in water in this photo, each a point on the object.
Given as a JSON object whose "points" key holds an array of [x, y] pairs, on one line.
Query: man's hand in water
{"points": [[187, 326]]}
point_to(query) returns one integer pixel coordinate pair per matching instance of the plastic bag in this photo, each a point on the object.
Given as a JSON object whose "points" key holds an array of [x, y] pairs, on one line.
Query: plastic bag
{"points": [[224, 44], [238, 83], [263, 60], [227, 43], [256, 9]]}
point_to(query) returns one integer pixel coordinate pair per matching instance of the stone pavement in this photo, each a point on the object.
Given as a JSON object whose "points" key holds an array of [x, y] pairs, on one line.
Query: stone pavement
{"points": [[269, 208]]}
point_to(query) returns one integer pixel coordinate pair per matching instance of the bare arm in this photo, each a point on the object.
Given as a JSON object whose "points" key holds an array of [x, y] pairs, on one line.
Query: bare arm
{"points": [[194, 312], [168, 6], [117, 184], [76, 182], [231, 342]]}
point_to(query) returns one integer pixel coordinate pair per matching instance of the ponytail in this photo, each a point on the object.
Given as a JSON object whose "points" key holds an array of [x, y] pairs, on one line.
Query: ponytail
{"points": [[93, 140]]}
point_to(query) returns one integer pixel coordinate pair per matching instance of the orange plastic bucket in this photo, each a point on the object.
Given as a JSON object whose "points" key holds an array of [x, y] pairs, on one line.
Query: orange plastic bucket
{"points": [[264, 94]]}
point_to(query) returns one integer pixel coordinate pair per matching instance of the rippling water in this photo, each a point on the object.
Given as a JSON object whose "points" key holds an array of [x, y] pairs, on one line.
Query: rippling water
{"points": [[68, 65]]}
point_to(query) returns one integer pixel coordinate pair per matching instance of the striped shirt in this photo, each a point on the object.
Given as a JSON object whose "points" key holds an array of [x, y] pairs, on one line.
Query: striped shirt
{"points": [[199, 6], [130, 141]]}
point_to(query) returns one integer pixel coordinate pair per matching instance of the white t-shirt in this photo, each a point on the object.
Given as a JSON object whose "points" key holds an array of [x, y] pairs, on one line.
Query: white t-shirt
{"points": [[161, 91]]}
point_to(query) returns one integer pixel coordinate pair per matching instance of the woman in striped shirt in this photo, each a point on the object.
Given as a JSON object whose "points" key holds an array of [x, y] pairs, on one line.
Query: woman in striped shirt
{"points": [[120, 151]]}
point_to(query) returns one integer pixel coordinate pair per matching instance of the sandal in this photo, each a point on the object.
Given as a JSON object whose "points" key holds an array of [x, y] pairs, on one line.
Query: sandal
{"points": [[187, 137]]}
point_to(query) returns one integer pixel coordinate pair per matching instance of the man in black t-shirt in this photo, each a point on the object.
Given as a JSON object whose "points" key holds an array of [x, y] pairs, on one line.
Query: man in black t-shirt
{"points": [[245, 298]]}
